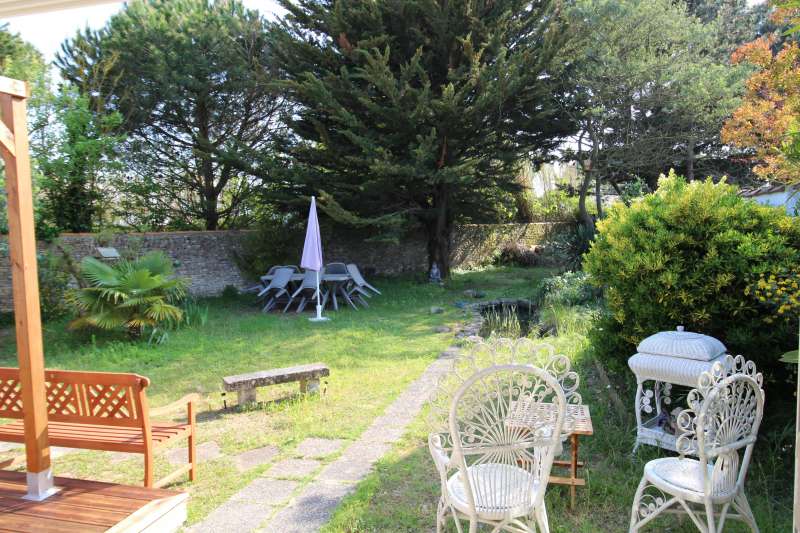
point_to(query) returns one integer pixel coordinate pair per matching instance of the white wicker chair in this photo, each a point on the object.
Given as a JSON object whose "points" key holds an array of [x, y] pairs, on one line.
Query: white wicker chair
{"points": [[720, 428], [493, 470]]}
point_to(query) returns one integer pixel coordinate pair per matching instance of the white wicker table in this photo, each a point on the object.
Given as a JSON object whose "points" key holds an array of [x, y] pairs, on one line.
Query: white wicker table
{"points": [[666, 359]]}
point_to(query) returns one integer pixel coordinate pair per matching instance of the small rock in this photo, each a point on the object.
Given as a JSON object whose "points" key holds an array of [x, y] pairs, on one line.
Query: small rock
{"points": [[478, 294], [437, 310], [442, 329], [469, 293]]}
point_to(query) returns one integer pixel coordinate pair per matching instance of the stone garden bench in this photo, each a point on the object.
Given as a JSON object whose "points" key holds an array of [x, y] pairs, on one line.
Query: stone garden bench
{"points": [[245, 385]]}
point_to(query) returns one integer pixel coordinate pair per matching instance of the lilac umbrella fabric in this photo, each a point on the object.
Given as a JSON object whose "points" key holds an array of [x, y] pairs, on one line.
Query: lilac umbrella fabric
{"points": [[312, 249]]}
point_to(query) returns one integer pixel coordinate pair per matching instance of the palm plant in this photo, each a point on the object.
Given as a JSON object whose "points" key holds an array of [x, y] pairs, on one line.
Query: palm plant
{"points": [[133, 295]]}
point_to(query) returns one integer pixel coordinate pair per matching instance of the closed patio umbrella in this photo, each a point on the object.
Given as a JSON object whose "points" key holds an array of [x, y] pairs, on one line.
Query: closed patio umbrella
{"points": [[312, 252]]}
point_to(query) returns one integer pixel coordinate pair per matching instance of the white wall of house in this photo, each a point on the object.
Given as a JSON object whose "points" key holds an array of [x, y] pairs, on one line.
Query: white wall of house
{"points": [[788, 198]]}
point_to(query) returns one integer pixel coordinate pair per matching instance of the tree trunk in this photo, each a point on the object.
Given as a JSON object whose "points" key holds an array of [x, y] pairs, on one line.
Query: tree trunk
{"points": [[690, 160], [209, 194], [439, 231], [598, 197]]}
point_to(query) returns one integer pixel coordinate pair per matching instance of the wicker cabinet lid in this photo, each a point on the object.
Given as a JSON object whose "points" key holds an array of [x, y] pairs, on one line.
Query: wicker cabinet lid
{"points": [[683, 344]]}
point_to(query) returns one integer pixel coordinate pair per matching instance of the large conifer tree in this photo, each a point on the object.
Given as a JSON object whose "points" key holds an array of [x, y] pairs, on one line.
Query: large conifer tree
{"points": [[415, 112]]}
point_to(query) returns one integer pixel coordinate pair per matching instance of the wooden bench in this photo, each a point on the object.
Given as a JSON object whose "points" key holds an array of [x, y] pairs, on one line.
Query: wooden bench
{"points": [[245, 385], [98, 411]]}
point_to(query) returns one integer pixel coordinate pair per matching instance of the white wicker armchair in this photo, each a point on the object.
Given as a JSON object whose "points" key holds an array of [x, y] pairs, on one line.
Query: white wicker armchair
{"points": [[494, 470], [720, 428]]}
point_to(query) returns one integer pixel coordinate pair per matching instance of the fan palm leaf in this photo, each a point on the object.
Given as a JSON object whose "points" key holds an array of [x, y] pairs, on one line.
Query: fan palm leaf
{"points": [[130, 295]]}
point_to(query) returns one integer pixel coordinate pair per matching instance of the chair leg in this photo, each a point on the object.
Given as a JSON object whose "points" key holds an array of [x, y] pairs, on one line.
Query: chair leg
{"points": [[192, 444], [148, 469], [637, 501], [710, 516], [742, 506], [302, 304], [542, 523]]}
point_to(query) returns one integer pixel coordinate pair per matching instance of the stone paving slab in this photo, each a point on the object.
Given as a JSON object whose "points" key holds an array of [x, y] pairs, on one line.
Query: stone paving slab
{"points": [[208, 451], [267, 491], [314, 505], [253, 458], [293, 468], [311, 510], [238, 515], [314, 448]]}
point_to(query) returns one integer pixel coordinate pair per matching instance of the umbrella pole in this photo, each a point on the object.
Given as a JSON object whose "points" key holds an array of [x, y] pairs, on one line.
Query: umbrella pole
{"points": [[319, 305]]}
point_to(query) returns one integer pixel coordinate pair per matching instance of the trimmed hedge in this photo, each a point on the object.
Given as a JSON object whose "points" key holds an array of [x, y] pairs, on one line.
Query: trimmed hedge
{"points": [[689, 254]]}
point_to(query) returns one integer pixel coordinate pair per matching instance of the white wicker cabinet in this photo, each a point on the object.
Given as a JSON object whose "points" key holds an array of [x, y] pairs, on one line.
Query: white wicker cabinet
{"points": [[665, 359]]}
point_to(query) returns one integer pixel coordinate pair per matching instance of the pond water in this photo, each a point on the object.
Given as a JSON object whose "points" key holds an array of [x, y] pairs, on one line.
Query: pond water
{"points": [[509, 319]]}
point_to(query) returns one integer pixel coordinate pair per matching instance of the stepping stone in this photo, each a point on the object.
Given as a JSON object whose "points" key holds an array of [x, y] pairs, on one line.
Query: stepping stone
{"points": [[253, 458], [314, 447], [311, 510], [208, 451], [238, 515], [442, 329], [293, 468], [267, 491], [8, 446]]}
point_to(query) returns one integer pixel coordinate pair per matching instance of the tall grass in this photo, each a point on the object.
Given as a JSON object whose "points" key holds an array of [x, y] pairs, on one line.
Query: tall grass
{"points": [[501, 321]]}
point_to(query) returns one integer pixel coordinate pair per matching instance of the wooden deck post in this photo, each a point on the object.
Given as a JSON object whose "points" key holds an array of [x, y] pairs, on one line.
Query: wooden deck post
{"points": [[25, 283]]}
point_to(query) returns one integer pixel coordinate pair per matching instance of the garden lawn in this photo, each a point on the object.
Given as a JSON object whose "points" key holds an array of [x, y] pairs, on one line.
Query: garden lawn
{"points": [[373, 354], [401, 494]]}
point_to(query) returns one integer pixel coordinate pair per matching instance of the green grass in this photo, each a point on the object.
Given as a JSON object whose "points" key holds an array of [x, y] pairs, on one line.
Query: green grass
{"points": [[373, 354], [401, 494]]}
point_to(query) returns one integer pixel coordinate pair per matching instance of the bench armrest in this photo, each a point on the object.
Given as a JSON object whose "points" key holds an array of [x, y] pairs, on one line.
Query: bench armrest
{"points": [[168, 409]]}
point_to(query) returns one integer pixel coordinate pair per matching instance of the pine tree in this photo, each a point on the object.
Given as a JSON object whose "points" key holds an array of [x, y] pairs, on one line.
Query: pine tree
{"points": [[190, 80], [413, 113]]}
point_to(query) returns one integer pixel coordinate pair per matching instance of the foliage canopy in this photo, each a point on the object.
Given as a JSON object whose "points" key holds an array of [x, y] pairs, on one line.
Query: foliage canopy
{"points": [[415, 112]]}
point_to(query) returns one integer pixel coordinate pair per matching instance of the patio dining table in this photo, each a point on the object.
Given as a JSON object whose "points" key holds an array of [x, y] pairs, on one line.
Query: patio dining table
{"points": [[336, 282]]}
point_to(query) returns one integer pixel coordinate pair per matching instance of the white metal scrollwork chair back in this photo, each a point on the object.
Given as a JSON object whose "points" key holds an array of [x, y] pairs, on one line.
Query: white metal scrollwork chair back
{"points": [[493, 469], [720, 428]]}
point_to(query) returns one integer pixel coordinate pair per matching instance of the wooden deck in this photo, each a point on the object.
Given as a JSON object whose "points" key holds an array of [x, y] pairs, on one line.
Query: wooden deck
{"points": [[89, 506]]}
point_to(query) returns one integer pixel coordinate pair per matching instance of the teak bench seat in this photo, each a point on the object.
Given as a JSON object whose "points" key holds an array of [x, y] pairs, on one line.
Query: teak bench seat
{"points": [[98, 411]]}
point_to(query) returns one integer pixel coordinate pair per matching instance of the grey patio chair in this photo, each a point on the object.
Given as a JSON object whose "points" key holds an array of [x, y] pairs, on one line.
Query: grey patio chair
{"points": [[359, 280], [340, 269], [335, 268], [276, 288], [307, 291]]}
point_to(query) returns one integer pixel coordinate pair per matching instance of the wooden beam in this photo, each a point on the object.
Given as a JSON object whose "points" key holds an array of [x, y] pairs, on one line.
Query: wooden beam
{"points": [[14, 8], [7, 139], [25, 283], [14, 87]]}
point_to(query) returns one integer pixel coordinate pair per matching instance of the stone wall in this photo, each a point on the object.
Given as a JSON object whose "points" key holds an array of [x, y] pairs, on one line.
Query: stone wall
{"points": [[207, 257]]}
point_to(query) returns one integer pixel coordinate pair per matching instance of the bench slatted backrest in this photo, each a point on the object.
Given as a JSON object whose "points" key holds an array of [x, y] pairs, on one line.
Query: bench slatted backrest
{"points": [[99, 398]]}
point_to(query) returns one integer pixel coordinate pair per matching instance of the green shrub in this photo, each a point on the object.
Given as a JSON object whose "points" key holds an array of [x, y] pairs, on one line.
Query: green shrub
{"points": [[53, 284], [567, 289], [274, 242], [567, 246], [130, 295], [687, 254]]}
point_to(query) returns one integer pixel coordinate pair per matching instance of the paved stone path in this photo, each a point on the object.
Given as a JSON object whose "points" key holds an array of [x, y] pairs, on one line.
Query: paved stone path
{"points": [[276, 503]]}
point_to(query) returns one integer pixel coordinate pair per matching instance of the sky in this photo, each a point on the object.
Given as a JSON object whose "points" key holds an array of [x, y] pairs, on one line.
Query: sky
{"points": [[47, 31]]}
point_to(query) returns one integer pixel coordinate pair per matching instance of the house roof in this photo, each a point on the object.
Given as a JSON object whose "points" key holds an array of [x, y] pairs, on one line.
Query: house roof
{"points": [[13, 8], [769, 188]]}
